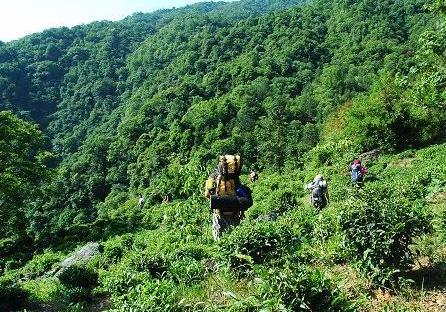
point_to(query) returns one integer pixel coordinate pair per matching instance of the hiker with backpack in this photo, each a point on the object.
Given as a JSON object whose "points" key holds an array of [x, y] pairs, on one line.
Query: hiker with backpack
{"points": [[319, 192], [140, 201], [167, 198], [253, 175], [229, 199], [357, 172]]}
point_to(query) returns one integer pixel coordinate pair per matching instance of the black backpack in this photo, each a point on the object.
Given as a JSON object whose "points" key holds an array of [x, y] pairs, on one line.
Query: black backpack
{"points": [[318, 197]]}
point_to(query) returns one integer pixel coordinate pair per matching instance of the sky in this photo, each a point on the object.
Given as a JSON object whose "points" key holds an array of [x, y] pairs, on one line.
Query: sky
{"points": [[19, 18]]}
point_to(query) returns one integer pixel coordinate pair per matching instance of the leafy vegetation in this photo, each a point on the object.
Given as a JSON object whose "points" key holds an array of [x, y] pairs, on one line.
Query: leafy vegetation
{"points": [[380, 223], [145, 105]]}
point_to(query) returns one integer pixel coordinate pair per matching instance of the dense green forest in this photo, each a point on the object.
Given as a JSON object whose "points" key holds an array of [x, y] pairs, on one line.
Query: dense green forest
{"points": [[93, 115]]}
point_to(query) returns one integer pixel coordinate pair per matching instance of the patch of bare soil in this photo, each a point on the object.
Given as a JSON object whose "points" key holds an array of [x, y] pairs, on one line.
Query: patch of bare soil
{"points": [[435, 301], [438, 198], [403, 163], [100, 303]]}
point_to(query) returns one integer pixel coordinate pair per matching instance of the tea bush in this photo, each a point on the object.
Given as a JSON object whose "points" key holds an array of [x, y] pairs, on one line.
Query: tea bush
{"points": [[119, 279], [276, 193], [150, 295], [258, 242], [379, 223], [113, 250], [442, 225], [79, 277], [43, 289], [300, 221], [302, 289], [191, 250], [148, 261], [186, 271], [326, 238], [41, 264], [76, 294], [12, 296]]}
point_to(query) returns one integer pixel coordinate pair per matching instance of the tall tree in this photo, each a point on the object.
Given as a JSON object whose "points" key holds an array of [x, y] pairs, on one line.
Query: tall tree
{"points": [[22, 170]]}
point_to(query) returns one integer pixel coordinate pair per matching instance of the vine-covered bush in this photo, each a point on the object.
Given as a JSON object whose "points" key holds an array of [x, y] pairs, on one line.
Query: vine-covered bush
{"points": [[78, 283]]}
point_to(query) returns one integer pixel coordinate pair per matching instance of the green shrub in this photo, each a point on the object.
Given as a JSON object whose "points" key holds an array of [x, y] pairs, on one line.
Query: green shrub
{"points": [[120, 278], [301, 220], [78, 276], [115, 248], [442, 225], [301, 289], [379, 223], [43, 289], [76, 294], [190, 251], [187, 271], [257, 243], [12, 296], [152, 295], [328, 153], [287, 201], [148, 261], [41, 264], [326, 239], [276, 193]]}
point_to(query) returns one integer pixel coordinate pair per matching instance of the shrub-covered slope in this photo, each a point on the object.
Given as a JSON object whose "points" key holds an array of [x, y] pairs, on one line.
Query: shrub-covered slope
{"points": [[383, 235], [146, 104]]}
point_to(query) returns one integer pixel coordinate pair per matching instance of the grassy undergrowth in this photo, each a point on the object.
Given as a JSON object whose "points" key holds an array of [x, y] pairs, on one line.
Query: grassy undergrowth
{"points": [[380, 248]]}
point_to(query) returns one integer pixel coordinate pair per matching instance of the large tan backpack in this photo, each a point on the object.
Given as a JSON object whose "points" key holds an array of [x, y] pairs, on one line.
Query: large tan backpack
{"points": [[218, 185], [225, 187], [224, 181], [229, 166]]}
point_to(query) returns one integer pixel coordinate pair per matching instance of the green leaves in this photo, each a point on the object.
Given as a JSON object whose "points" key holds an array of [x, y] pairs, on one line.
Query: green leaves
{"points": [[22, 170], [379, 223], [258, 243]]}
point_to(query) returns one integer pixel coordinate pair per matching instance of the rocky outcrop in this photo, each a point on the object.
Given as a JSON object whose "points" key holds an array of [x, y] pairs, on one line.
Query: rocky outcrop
{"points": [[81, 256]]}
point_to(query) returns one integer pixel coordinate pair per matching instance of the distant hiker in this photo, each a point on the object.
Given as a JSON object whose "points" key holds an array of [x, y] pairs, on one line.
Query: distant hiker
{"points": [[319, 192], [357, 172], [168, 198], [228, 197], [253, 176], [140, 201]]}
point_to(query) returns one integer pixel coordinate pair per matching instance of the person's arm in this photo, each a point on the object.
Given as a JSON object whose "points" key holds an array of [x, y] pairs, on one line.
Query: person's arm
{"points": [[310, 185]]}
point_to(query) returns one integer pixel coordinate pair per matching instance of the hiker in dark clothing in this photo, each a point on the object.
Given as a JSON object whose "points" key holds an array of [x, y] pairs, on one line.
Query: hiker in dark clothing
{"points": [[253, 176], [319, 192]]}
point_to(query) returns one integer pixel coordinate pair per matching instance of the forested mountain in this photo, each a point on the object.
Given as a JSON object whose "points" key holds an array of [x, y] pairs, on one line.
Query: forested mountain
{"points": [[144, 105]]}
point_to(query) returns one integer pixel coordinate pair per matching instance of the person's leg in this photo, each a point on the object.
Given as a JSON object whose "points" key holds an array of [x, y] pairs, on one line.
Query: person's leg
{"points": [[216, 226], [222, 223]]}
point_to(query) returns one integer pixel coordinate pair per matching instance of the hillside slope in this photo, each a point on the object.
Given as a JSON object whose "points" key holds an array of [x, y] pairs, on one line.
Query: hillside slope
{"points": [[145, 105], [384, 235]]}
